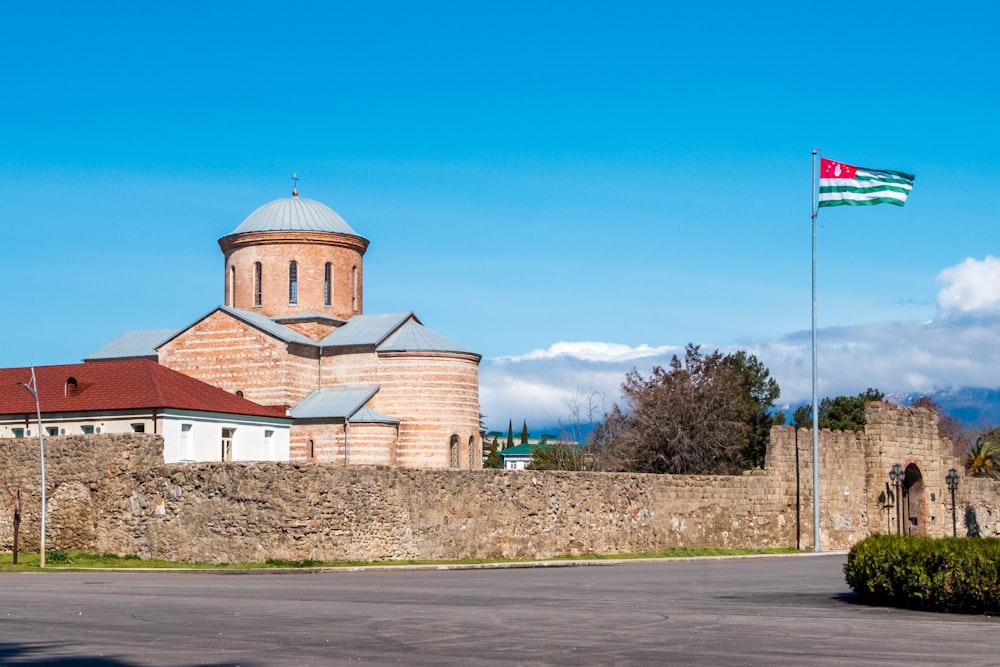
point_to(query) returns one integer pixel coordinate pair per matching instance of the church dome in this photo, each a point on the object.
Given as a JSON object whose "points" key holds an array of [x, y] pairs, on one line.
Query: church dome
{"points": [[295, 214]]}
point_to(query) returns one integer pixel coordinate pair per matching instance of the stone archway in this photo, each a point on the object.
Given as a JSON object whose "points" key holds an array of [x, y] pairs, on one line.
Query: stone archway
{"points": [[914, 501]]}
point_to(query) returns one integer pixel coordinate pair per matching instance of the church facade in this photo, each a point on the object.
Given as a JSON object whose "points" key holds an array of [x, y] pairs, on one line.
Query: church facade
{"points": [[361, 388]]}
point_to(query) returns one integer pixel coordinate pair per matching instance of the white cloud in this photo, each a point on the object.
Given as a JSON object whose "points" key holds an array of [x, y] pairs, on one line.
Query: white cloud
{"points": [[594, 351], [961, 348], [972, 286]]}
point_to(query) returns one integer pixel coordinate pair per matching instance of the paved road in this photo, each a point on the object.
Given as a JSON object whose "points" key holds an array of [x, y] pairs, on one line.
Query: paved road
{"points": [[771, 611]]}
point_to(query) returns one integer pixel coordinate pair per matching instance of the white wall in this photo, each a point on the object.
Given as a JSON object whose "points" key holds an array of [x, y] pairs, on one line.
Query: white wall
{"points": [[254, 438]]}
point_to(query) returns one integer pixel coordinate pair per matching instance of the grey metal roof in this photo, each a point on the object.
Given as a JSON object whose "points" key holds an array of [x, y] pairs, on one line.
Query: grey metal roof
{"points": [[369, 416], [294, 214], [333, 402], [307, 315], [415, 337], [140, 343], [365, 329], [268, 326]]}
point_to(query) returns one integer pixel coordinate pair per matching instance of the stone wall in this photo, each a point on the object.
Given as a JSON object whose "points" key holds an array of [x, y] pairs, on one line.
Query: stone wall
{"points": [[113, 494]]}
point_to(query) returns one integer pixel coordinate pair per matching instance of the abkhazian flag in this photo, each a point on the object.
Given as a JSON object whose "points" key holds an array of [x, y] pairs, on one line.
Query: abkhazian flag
{"points": [[845, 185]]}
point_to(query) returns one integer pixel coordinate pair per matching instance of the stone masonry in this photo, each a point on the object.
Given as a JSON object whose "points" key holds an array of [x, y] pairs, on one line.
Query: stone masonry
{"points": [[112, 494]]}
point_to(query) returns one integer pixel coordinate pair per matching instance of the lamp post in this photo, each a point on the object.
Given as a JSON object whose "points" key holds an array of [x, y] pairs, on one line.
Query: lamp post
{"points": [[952, 480], [896, 475], [32, 387]]}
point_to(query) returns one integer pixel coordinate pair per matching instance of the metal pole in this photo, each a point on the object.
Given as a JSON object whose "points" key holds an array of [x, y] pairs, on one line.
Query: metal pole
{"points": [[815, 387], [33, 388]]}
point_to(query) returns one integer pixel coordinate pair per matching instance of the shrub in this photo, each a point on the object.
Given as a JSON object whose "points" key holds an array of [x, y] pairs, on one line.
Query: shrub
{"points": [[951, 574]]}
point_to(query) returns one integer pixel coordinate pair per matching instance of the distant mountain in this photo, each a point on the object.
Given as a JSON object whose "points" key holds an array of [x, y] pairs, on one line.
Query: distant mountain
{"points": [[975, 407]]}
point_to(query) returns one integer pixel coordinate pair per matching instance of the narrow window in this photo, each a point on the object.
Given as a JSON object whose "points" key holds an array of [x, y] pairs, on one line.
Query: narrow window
{"points": [[354, 289], [312, 450], [232, 287], [71, 387], [293, 282], [454, 451], [472, 451], [257, 280], [187, 450], [328, 284], [227, 444]]}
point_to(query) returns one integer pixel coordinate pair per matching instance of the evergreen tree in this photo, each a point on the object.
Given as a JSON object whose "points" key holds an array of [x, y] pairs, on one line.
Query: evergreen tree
{"points": [[524, 433], [510, 434], [493, 459]]}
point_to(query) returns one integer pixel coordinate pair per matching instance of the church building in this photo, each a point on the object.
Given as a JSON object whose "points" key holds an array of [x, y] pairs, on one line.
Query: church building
{"points": [[361, 388]]}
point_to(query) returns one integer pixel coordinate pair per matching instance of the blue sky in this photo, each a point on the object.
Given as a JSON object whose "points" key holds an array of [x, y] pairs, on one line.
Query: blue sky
{"points": [[571, 189]]}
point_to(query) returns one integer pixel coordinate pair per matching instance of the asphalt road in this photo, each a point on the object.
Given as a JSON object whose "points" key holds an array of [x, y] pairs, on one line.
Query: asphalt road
{"points": [[766, 611]]}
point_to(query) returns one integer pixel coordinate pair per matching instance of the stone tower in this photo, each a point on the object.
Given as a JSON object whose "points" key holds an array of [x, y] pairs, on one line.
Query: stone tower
{"points": [[294, 255]]}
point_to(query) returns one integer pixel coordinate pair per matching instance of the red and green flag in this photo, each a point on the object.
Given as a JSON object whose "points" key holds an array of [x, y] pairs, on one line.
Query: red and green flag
{"points": [[846, 185]]}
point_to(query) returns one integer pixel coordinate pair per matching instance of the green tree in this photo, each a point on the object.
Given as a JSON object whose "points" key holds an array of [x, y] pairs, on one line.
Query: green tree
{"points": [[558, 456], [841, 413], [760, 391], [510, 434], [524, 433], [493, 458]]}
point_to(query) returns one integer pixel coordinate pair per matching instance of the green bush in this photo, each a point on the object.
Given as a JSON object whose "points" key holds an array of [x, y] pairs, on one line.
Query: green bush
{"points": [[952, 574]]}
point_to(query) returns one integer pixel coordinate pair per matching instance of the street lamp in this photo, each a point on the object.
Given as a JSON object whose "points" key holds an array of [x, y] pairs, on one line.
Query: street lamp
{"points": [[896, 475], [952, 480], [32, 387]]}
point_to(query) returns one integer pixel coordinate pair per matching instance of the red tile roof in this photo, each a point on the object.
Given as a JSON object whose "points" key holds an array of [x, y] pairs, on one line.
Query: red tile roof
{"points": [[126, 384]]}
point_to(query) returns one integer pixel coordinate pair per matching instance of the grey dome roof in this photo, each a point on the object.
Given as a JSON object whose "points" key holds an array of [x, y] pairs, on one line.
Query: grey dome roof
{"points": [[294, 214]]}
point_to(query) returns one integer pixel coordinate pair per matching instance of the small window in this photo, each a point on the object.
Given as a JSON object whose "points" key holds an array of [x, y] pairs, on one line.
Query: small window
{"points": [[454, 451], [72, 389], [312, 450], [52, 430], [354, 289], [227, 444], [472, 451], [293, 282], [239, 392], [138, 428], [258, 281], [232, 286], [18, 432], [328, 284], [87, 429]]}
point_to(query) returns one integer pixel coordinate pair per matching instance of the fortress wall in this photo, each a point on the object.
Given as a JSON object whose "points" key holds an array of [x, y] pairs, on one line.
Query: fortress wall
{"points": [[112, 493]]}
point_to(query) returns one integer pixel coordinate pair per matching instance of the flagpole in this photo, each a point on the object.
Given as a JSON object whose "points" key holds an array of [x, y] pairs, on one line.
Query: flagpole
{"points": [[815, 388]]}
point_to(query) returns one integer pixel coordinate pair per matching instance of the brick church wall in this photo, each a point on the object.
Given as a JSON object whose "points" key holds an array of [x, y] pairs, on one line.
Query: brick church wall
{"points": [[228, 353]]}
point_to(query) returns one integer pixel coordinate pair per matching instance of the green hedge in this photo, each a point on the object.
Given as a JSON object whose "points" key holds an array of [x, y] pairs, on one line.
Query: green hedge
{"points": [[957, 574]]}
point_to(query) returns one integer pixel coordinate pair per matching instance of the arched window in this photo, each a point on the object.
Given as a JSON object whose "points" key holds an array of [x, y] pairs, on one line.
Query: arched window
{"points": [[453, 453], [472, 452], [354, 289], [328, 284], [71, 386], [311, 451], [258, 270], [231, 300], [293, 282]]}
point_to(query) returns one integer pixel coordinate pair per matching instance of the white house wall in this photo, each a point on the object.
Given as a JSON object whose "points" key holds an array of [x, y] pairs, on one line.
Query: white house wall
{"points": [[254, 438]]}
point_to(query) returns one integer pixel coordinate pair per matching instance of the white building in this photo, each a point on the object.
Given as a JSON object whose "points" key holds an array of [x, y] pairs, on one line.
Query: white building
{"points": [[198, 422]]}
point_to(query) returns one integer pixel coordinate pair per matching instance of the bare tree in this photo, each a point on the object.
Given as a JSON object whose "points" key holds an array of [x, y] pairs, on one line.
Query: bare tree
{"points": [[692, 417], [948, 426]]}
